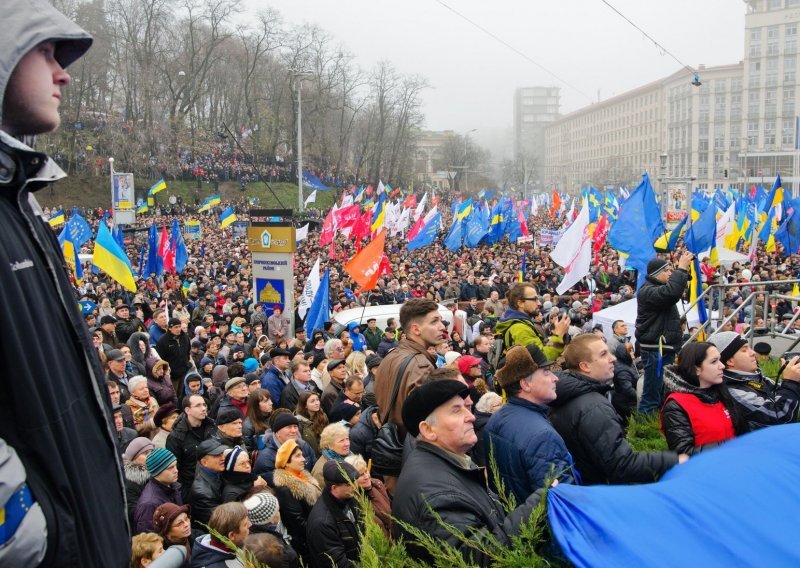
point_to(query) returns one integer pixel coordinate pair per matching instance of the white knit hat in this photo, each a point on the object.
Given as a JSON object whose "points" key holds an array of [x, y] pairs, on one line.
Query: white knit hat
{"points": [[261, 507], [450, 357]]}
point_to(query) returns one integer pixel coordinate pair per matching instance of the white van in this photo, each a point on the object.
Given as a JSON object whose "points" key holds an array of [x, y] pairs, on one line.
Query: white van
{"points": [[457, 321]]}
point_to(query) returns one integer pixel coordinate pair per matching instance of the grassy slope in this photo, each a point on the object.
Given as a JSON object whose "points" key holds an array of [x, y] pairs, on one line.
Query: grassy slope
{"points": [[96, 192]]}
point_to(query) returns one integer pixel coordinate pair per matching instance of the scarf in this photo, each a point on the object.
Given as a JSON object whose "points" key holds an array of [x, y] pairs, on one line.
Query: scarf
{"points": [[334, 456]]}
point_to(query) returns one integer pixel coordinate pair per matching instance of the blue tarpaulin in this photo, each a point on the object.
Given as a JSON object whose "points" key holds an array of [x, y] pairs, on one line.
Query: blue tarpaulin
{"points": [[736, 505]]}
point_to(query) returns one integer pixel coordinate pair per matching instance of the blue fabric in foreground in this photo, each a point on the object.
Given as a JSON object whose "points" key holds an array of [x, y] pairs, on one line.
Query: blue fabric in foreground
{"points": [[736, 505]]}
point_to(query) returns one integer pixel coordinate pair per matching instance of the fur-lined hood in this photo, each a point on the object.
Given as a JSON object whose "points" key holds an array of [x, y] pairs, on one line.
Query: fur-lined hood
{"points": [[308, 491], [675, 383], [136, 473]]}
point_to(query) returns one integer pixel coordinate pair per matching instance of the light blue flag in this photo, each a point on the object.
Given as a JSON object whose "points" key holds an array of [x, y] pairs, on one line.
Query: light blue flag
{"points": [[637, 227], [453, 239], [319, 312], [427, 234]]}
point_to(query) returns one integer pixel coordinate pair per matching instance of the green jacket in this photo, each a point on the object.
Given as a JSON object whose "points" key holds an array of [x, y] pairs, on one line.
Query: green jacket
{"points": [[517, 329], [373, 337]]}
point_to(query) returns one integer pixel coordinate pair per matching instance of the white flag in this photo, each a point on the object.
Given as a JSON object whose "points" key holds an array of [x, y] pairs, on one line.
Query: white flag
{"points": [[347, 200], [420, 207], [301, 233], [726, 225], [574, 252], [312, 198], [309, 290]]}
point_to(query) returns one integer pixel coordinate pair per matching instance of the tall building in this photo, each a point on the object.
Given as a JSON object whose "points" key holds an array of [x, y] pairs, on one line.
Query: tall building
{"points": [[736, 128], [534, 109]]}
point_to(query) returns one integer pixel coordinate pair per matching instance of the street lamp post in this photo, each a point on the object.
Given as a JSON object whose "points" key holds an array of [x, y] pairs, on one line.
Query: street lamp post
{"points": [[298, 76], [466, 139]]}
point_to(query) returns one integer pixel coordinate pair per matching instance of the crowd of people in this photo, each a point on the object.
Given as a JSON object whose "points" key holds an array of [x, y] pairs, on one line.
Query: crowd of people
{"points": [[185, 424]]}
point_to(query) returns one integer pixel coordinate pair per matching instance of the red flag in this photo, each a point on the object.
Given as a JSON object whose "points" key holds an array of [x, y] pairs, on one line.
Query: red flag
{"points": [[365, 267], [556, 204], [411, 201], [600, 232], [523, 223], [328, 230], [368, 191], [435, 201], [416, 228], [332, 251], [346, 217], [165, 252]]}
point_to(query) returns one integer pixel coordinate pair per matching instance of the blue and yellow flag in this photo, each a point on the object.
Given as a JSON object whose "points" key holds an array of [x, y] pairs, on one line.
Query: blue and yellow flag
{"points": [[56, 218], [668, 241], [464, 209], [160, 185], [378, 215], [209, 203], [142, 208], [227, 217], [108, 256], [71, 256]]}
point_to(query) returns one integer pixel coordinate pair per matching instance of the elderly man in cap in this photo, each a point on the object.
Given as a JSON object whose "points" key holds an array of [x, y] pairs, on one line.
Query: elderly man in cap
{"points": [[174, 348], [229, 426], [333, 525], [438, 474], [206, 491], [338, 373], [115, 359], [277, 326], [285, 426], [758, 400], [108, 327], [658, 324], [276, 377], [527, 449], [163, 487], [235, 396], [388, 342], [373, 334]]}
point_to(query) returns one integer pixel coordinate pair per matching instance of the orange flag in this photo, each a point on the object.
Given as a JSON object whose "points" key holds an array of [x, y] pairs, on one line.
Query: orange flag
{"points": [[365, 267]]}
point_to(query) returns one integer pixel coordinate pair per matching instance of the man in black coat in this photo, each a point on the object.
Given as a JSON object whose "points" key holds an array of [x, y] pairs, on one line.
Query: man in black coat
{"points": [[174, 347], [332, 528], [589, 425], [206, 491], [439, 474], [190, 429], [659, 323]]}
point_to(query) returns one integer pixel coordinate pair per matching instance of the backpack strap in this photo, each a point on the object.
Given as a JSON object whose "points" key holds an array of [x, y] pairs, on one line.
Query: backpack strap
{"points": [[396, 388]]}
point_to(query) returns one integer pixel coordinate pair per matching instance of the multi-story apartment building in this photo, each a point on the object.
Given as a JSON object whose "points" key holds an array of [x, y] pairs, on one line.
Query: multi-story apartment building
{"points": [[534, 109], [737, 127]]}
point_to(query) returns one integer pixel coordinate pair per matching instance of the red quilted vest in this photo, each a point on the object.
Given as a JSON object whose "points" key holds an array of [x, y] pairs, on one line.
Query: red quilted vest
{"points": [[710, 422]]}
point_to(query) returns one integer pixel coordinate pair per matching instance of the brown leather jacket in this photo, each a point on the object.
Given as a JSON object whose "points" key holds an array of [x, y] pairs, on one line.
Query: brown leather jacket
{"points": [[386, 374]]}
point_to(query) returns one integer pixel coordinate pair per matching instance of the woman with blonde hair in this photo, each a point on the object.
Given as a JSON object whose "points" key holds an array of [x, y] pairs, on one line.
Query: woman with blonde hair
{"points": [[296, 490], [375, 492], [334, 443], [356, 364], [142, 405]]}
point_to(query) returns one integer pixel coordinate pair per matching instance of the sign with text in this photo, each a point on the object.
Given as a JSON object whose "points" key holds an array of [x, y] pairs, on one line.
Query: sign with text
{"points": [[273, 249]]}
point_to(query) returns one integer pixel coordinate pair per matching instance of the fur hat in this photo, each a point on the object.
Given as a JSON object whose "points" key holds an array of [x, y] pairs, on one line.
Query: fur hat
{"points": [[519, 364]]}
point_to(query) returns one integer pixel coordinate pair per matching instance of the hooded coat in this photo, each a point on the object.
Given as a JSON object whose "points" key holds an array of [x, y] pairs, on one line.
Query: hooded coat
{"points": [[593, 433], [76, 406], [358, 339]]}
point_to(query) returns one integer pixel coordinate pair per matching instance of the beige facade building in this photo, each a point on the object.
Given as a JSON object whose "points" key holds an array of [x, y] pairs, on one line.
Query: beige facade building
{"points": [[736, 128]]}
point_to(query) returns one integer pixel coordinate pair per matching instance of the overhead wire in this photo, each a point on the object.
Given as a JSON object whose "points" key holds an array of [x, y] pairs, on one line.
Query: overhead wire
{"points": [[651, 38], [514, 49]]}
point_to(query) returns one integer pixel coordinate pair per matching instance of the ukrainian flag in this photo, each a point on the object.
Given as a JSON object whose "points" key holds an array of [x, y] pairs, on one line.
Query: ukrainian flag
{"points": [[142, 208], [209, 203], [378, 216], [57, 218], [110, 257], [226, 218], [71, 256], [158, 186], [464, 209]]}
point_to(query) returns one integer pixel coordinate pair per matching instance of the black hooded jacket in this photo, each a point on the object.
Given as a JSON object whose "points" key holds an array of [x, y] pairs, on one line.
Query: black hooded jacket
{"points": [[657, 315], [593, 433]]}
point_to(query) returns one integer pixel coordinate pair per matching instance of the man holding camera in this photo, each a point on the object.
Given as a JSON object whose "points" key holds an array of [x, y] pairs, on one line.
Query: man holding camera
{"points": [[658, 324]]}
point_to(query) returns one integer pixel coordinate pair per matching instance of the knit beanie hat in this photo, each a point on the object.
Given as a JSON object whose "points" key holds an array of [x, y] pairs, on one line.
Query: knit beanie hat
{"points": [[136, 447], [655, 266], [261, 507], [250, 365], [231, 457], [158, 460], [728, 343], [347, 411], [284, 453]]}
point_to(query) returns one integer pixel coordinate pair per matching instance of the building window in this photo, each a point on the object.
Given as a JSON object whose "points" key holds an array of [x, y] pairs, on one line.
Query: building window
{"points": [[752, 133], [789, 71], [774, 5], [769, 133], [755, 34], [787, 132], [788, 101]]}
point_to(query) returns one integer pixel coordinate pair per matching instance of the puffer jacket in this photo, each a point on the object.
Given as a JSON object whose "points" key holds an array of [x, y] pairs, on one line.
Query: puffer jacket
{"points": [[657, 313], [527, 449], [459, 494], [676, 422], [593, 433], [37, 298]]}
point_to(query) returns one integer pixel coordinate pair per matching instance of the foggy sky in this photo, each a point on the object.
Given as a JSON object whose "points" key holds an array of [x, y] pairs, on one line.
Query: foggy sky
{"points": [[473, 76]]}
